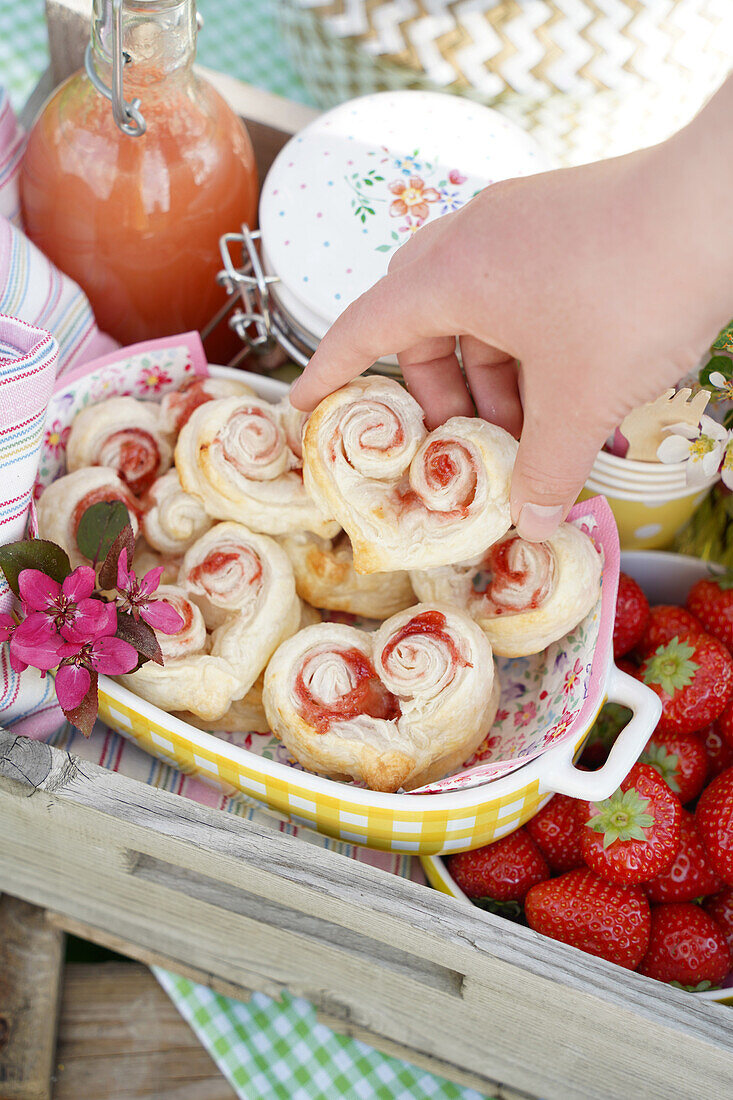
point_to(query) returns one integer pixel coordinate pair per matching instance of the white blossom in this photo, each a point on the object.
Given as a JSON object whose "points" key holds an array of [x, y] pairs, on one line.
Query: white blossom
{"points": [[702, 447]]}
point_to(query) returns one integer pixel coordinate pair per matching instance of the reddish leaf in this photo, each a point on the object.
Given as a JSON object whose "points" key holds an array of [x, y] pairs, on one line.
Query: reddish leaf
{"points": [[85, 715], [139, 635], [108, 573]]}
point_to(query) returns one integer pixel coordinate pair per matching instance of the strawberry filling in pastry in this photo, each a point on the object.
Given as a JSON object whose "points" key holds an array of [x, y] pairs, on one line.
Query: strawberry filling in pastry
{"points": [[134, 454], [226, 571], [341, 684], [446, 485], [515, 576], [431, 624]]}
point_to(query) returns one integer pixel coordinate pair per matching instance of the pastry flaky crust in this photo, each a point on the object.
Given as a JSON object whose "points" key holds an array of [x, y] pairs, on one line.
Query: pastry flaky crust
{"points": [[177, 406], [394, 709], [243, 583], [173, 519], [233, 455], [64, 501], [244, 715], [325, 577], [124, 434], [523, 595], [190, 678], [407, 500]]}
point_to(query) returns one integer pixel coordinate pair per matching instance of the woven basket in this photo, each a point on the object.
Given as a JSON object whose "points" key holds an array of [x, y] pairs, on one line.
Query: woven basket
{"points": [[590, 78]]}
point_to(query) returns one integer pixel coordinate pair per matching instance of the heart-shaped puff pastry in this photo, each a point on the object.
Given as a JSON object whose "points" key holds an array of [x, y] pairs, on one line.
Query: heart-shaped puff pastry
{"points": [[400, 707], [65, 500], [406, 498], [238, 455], [523, 595], [124, 434]]}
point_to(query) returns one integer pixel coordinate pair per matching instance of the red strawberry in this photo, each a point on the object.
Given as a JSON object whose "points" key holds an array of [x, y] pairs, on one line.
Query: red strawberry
{"points": [[711, 601], [720, 753], [680, 759], [633, 835], [724, 724], [694, 679], [632, 612], [720, 908], [581, 909], [556, 832], [685, 946], [665, 623], [714, 820], [690, 875], [503, 871]]}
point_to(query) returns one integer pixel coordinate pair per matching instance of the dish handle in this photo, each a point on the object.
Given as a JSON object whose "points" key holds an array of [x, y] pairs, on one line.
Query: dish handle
{"points": [[562, 777]]}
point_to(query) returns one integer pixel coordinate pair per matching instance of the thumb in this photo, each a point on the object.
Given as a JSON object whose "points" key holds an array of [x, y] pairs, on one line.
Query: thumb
{"points": [[557, 448]]}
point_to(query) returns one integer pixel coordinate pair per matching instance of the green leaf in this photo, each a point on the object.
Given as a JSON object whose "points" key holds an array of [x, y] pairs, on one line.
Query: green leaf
{"points": [[33, 554], [395, 236], [368, 182], [379, 179], [383, 248], [108, 573], [718, 363], [85, 715], [671, 667], [363, 218], [99, 527]]}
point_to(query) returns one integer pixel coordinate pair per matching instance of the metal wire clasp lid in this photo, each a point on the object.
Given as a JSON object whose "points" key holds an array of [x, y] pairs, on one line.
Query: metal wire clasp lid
{"points": [[127, 116]]}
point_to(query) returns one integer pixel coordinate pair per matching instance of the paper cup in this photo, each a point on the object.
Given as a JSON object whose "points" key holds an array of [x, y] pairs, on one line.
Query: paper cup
{"points": [[649, 523]]}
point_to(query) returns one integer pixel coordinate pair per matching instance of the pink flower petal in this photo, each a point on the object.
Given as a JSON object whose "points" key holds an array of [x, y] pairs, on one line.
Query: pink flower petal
{"points": [[397, 187], [113, 656], [431, 195], [72, 684], [397, 208], [36, 642], [124, 577], [17, 663], [93, 619], [455, 177], [416, 183], [161, 616], [151, 580], [37, 590], [79, 585]]}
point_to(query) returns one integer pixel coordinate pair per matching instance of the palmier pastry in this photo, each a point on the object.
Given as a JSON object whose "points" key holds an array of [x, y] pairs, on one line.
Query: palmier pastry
{"points": [[64, 502], [124, 434], [190, 678], [177, 406], [243, 583], [146, 559], [523, 595], [406, 498], [398, 708], [234, 456], [244, 715], [173, 519], [325, 577]]}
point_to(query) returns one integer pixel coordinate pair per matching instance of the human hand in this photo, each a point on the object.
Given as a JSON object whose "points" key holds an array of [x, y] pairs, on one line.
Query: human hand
{"points": [[576, 295]]}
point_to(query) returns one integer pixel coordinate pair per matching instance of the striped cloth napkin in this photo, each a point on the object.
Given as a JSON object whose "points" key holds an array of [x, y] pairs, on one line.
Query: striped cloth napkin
{"points": [[46, 328]]}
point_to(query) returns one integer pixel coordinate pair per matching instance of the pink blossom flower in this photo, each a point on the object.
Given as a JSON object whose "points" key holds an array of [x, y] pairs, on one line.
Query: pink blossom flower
{"points": [[108, 655], [136, 598], [35, 642], [556, 732], [8, 627], [456, 178], [64, 608], [572, 678], [56, 438], [153, 379], [525, 714]]}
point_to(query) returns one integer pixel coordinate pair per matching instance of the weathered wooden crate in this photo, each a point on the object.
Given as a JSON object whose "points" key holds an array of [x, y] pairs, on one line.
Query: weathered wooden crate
{"points": [[243, 907]]}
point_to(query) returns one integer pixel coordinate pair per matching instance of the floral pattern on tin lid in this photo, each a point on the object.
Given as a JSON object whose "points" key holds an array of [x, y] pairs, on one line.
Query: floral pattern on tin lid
{"points": [[357, 182]]}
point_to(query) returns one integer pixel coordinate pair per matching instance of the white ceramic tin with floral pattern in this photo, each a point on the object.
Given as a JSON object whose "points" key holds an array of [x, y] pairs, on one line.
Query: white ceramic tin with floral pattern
{"points": [[355, 184]]}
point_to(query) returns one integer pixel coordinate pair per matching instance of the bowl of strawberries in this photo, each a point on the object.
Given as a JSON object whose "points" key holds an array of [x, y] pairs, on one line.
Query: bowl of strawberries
{"points": [[643, 878]]}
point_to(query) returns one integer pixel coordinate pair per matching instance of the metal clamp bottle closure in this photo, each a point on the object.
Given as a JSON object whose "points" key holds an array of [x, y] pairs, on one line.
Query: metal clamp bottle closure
{"points": [[259, 324], [127, 116]]}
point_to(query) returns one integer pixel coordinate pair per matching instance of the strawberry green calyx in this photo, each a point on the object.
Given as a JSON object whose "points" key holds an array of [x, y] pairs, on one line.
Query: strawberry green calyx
{"points": [[671, 666], [701, 987], [622, 817], [665, 762], [724, 581]]}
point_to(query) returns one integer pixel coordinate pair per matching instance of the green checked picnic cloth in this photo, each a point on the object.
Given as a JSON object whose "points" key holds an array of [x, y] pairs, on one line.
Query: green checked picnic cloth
{"points": [[270, 1050]]}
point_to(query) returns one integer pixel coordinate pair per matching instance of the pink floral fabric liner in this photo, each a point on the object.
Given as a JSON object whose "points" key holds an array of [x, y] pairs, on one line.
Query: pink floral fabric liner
{"points": [[546, 700]]}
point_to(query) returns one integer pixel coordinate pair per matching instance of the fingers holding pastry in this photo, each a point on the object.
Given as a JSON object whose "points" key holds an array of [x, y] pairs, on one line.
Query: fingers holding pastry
{"points": [[523, 595], [124, 434], [406, 499], [233, 455]]}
